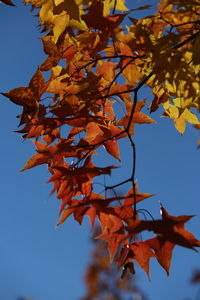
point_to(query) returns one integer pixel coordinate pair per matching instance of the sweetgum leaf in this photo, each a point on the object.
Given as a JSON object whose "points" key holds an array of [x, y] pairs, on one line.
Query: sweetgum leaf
{"points": [[23, 96]]}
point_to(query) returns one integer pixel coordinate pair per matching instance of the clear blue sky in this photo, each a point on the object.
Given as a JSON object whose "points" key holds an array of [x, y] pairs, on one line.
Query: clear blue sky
{"points": [[46, 264]]}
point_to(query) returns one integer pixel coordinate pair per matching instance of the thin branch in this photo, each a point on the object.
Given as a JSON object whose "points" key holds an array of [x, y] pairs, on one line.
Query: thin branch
{"points": [[118, 184], [189, 39], [114, 8]]}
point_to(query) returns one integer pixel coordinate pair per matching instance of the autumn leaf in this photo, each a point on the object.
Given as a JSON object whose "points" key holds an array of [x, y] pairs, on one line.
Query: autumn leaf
{"points": [[36, 160], [142, 254], [37, 83], [100, 22], [67, 212], [113, 148], [99, 60], [129, 198], [114, 241], [72, 8], [108, 4], [163, 250], [170, 228], [180, 116], [138, 116], [23, 96], [28, 96]]}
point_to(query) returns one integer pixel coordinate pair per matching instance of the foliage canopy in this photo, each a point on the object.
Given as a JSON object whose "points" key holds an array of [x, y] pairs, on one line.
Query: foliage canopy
{"points": [[98, 56]]}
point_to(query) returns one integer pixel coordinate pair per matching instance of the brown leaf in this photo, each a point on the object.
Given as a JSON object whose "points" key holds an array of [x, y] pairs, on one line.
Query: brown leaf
{"points": [[37, 83], [49, 47], [49, 63], [23, 96], [158, 99]]}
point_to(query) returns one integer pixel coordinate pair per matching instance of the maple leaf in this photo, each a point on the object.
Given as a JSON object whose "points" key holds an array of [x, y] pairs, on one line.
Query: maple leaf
{"points": [[108, 4], [138, 116], [29, 97], [138, 251], [36, 160], [70, 6], [180, 116], [163, 250], [142, 253], [92, 131], [170, 228], [100, 22], [129, 198], [60, 23], [67, 212], [114, 241], [109, 222], [23, 96], [113, 148], [112, 230], [159, 98]]}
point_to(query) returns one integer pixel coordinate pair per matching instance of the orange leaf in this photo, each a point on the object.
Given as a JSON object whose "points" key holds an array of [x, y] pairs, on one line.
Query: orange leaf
{"points": [[114, 241], [142, 254], [110, 222], [113, 148], [67, 212], [129, 198], [163, 250], [69, 53], [36, 160]]}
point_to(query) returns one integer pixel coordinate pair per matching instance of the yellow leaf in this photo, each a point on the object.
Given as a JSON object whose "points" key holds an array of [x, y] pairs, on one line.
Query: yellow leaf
{"points": [[60, 23], [173, 112], [57, 2], [180, 116], [171, 86], [78, 25], [180, 125], [188, 116], [108, 4], [56, 70], [46, 12]]}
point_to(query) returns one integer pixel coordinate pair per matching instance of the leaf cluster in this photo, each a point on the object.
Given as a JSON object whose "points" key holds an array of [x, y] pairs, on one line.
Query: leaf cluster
{"points": [[96, 62]]}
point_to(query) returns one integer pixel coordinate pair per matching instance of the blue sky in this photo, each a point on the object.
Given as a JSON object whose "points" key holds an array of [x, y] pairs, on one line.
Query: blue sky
{"points": [[39, 261]]}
